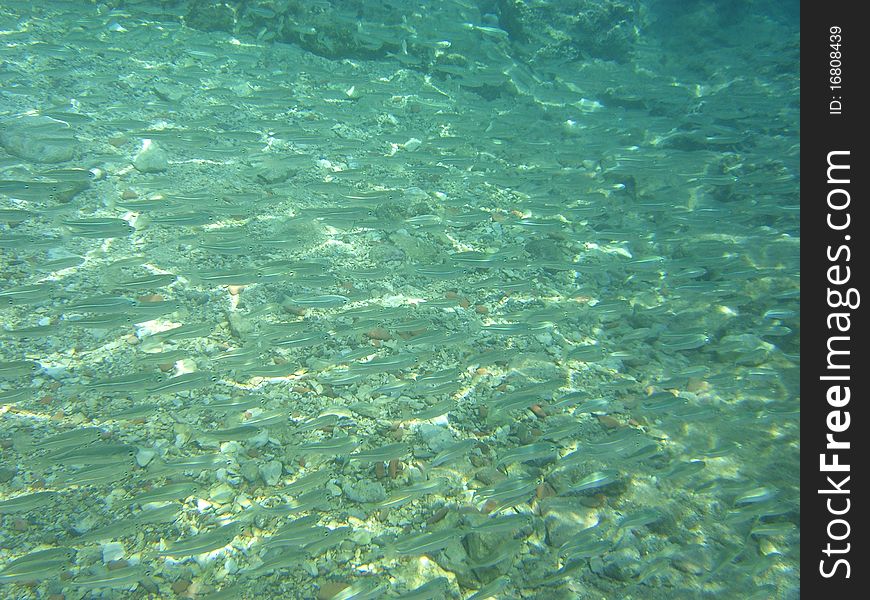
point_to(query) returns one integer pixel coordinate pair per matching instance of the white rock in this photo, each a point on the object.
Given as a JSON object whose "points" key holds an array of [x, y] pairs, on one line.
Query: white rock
{"points": [[112, 551], [221, 494], [151, 158], [412, 145], [145, 456], [85, 524], [437, 438]]}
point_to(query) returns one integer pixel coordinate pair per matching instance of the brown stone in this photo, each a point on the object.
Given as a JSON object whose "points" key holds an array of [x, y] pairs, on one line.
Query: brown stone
{"points": [[180, 586], [379, 333], [608, 421], [437, 516], [538, 411]]}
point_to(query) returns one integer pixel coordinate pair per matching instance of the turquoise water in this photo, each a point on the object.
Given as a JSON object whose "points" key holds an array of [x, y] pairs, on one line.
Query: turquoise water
{"points": [[419, 300]]}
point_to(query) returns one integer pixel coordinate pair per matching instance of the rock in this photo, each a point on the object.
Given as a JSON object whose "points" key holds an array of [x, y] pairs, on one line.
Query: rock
{"points": [[239, 325], [151, 158], [250, 471], [39, 139], [744, 349], [435, 437], [386, 253], [145, 456], [478, 549], [112, 551], [488, 475], [545, 249], [622, 564], [6, 474], [169, 92], [563, 520], [271, 472], [221, 494], [454, 559], [364, 491], [85, 524], [273, 170]]}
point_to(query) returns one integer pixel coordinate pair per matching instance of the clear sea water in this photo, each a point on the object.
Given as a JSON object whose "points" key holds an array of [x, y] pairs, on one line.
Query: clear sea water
{"points": [[430, 300]]}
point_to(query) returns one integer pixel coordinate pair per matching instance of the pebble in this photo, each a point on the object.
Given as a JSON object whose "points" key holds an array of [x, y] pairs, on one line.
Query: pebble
{"points": [[221, 494], [7, 473], [271, 472], [250, 471], [145, 456], [112, 551], [151, 158], [364, 491], [379, 333], [435, 437], [180, 586]]}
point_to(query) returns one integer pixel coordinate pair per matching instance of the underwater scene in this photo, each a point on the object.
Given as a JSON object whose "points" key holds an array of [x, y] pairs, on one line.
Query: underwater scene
{"points": [[416, 299]]}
